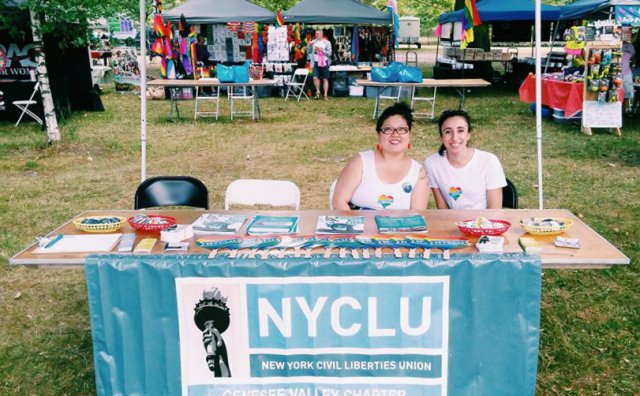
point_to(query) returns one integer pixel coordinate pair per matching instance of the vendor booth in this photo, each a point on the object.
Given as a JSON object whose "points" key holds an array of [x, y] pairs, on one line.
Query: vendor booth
{"points": [[510, 21], [359, 34], [591, 89]]}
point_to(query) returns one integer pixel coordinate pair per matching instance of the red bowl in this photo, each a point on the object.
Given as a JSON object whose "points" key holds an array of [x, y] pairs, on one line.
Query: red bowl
{"points": [[474, 231], [169, 221]]}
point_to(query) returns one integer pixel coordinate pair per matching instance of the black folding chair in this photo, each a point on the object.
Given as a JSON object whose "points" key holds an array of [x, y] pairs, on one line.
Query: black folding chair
{"points": [[509, 196], [171, 191]]}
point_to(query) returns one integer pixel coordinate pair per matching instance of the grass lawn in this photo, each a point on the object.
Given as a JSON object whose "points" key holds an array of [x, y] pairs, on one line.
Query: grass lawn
{"points": [[590, 330]]}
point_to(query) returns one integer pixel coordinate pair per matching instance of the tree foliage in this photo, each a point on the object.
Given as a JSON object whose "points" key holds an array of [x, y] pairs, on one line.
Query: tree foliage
{"points": [[68, 20]]}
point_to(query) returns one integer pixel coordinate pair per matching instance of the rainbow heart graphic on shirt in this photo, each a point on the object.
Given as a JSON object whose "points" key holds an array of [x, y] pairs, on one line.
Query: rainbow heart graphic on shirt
{"points": [[455, 192], [385, 200]]}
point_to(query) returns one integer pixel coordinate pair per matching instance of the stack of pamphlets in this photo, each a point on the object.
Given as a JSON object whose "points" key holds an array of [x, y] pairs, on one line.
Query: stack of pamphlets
{"points": [[340, 225], [393, 224], [218, 224], [262, 225]]}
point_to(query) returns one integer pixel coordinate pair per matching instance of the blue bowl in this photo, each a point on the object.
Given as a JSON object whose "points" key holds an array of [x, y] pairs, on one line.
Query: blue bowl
{"points": [[547, 112]]}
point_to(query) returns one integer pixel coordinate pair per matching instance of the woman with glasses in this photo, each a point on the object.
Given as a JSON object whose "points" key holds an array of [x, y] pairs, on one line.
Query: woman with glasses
{"points": [[463, 177], [385, 178]]}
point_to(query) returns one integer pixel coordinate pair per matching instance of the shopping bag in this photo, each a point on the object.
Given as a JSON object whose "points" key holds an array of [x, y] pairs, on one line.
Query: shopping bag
{"points": [[225, 73], [241, 74], [410, 74], [380, 74]]}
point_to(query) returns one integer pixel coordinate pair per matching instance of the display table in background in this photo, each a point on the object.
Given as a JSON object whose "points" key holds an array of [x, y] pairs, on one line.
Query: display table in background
{"points": [[213, 82], [460, 85], [559, 95]]}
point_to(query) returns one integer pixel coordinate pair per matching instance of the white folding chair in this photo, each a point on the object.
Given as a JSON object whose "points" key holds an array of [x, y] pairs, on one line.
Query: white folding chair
{"points": [[295, 87], [251, 192], [24, 106], [202, 98], [392, 95], [429, 100], [239, 94]]}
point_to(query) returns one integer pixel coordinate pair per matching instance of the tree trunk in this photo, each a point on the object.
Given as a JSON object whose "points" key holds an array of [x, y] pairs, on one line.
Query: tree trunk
{"points": [[50, 120]]}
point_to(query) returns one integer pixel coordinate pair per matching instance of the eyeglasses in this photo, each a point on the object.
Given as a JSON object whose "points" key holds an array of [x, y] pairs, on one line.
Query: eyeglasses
{"points": [[390, 130]]}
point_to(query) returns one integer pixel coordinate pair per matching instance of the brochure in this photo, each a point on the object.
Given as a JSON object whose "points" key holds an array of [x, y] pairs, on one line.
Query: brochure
{"points": [[218, 224], [340, 225], [261, 225], [391, 224]]}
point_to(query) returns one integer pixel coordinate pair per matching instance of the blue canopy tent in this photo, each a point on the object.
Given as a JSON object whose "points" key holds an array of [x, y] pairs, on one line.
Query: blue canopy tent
{"points": [[500, 10], [583, 8]]}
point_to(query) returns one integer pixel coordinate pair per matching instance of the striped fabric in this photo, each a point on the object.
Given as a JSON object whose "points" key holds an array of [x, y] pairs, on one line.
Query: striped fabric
{"points": [[248, 27]]}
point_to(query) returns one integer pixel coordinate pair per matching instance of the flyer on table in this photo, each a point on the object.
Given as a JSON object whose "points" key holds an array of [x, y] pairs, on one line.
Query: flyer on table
{"points": [[314, 336]]}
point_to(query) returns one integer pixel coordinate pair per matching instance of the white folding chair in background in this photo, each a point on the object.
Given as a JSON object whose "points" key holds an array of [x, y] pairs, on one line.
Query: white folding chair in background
{"points": [[429, 100], [395, 97], [24, 106], [249, 192], [202, 98], [295, 87], [239, 94]]}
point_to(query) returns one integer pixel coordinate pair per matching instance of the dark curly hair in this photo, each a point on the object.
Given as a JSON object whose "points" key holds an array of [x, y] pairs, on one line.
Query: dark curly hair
{"points": [[402, 109], [445, 116]]}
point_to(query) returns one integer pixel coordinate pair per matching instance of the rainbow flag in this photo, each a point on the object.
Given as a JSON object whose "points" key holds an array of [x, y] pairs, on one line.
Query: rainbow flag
{"points": [[470, 18], [279, 18]]}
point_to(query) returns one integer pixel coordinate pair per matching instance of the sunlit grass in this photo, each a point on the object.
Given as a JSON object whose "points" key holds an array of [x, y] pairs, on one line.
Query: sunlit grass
{"points": [[590, 319]]}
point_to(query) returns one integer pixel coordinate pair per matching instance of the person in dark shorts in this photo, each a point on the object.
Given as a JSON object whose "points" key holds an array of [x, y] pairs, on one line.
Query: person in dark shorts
{"points": [[319, 50]]}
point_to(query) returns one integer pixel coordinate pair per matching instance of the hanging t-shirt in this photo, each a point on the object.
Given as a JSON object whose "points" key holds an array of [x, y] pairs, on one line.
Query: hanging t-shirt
{"points": [[466, 187], [372, 193]]}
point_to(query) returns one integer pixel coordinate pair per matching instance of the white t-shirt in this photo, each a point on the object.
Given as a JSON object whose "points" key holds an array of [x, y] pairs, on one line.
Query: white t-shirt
{"points": [[466, 188], [372, 193]]}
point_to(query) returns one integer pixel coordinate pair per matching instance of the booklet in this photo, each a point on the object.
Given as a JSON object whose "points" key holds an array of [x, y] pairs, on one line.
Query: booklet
{"points": [[218, 224], [340, 225], [261, 225], [390, 224]]}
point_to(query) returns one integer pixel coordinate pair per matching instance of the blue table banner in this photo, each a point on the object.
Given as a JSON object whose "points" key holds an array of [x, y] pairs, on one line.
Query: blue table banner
{"points": [[187, 324]]}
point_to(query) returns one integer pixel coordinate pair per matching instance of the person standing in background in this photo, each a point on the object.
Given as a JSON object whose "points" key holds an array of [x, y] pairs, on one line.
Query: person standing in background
{"points": [[319, 50], [202, 53], [628, 53]]}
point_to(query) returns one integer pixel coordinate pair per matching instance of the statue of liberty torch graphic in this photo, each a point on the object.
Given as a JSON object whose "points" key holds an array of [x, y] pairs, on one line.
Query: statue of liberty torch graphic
{"points": [[212, 318]]}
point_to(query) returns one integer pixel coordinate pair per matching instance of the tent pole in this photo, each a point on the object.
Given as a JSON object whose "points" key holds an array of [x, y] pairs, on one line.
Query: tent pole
{"points": [[143, 90], [539, 102], [553, 43]]}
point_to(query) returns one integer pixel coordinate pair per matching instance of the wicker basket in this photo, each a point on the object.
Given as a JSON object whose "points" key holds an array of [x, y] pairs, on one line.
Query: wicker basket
{"points": [[81, 224], [545, 230], [476, 231], [168, 222]]}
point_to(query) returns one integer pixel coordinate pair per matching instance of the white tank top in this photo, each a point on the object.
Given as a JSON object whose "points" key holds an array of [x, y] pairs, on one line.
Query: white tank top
{"points": [[372, 193]]}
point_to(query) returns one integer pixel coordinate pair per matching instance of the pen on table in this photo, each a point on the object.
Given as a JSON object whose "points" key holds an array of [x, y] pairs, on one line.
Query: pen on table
{"points": [[54, 241]]}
